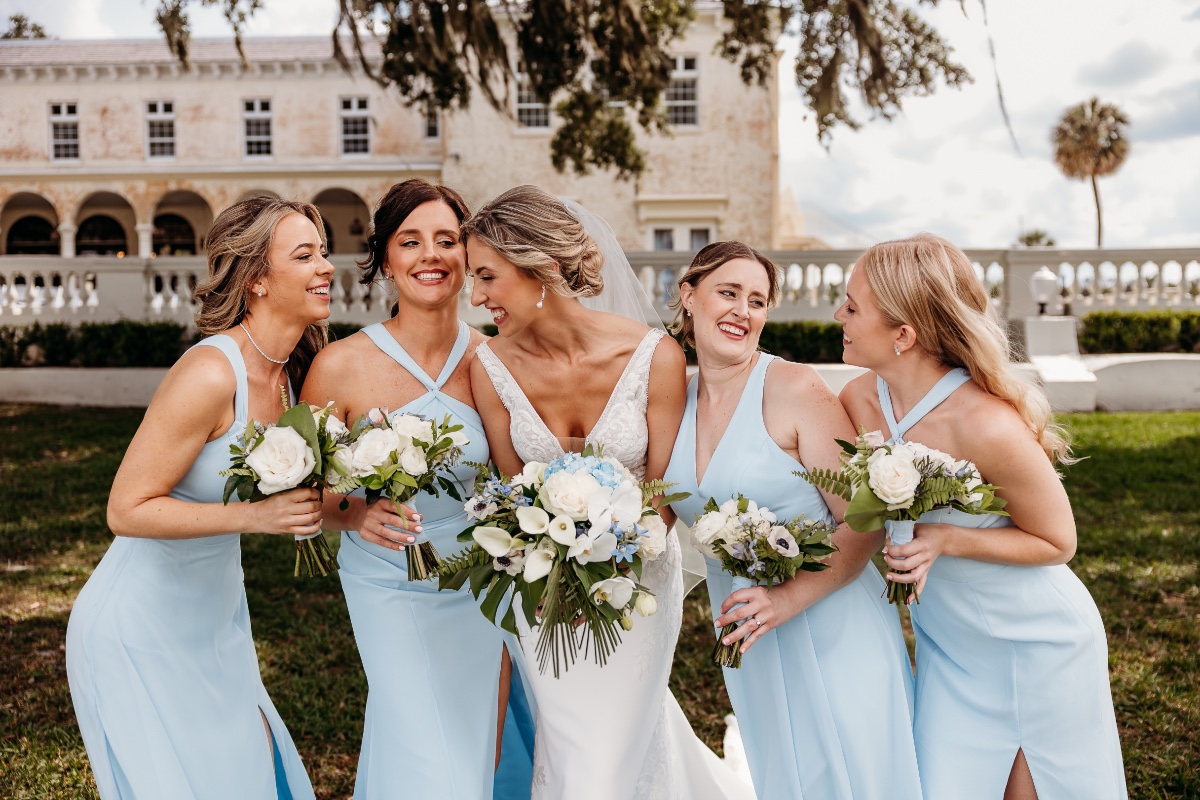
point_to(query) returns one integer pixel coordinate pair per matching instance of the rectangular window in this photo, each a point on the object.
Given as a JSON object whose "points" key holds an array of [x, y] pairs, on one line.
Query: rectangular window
{"points": [[699, 238], [256, 122], [683, 97], [356, 127], [531, 113], [433, 124], [664, 239], [64, 132], [160, 129]]}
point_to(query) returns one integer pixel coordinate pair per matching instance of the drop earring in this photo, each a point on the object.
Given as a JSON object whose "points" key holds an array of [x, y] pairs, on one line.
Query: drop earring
{"points": [[260, 292], [543, 298], [897, 349]]}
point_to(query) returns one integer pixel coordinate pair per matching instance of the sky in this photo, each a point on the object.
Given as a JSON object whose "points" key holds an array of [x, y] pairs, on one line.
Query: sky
{"points": [[946, 164]]}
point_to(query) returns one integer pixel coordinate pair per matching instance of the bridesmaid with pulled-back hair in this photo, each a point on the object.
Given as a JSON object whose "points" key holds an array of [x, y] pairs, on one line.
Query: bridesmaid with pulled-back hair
{"points": [[433, 662], [163, 672]]}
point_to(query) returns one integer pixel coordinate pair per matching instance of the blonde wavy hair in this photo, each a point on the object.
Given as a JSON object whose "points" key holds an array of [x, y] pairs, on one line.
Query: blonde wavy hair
{"points": [[929, 284], [531, 229], [239, 244]]}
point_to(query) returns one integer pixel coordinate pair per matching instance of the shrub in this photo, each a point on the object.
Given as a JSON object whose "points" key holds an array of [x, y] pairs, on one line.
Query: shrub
{"points": [[1156, 331], [340, 330]]}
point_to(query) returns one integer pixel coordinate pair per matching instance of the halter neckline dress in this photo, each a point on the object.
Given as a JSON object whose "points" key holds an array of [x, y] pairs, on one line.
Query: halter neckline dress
{"points": [[614, 731], [432, 659], [824, 701], [163, 672], [1008, 658]]}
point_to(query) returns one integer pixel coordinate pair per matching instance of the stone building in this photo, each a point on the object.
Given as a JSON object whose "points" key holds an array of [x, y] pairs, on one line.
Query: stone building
{"points": [[112, 148]]}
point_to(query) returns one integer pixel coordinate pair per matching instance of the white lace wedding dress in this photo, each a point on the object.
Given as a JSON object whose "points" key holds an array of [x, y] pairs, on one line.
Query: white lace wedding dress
{"points": [[614, 732]]}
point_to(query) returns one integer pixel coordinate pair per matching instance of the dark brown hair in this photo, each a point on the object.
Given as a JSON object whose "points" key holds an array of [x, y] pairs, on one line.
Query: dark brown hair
{"points": [[395, 207], [709, 259], [239, 244]]}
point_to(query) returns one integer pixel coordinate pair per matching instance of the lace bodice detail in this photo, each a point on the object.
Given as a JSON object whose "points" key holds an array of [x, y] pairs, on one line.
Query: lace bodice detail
{"points": [[621, 428]]}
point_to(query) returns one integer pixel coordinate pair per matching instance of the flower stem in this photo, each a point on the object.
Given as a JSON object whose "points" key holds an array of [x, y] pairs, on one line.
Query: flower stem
{"points": [[313, 557], [727, 655], [898, 593], [423, 561]]}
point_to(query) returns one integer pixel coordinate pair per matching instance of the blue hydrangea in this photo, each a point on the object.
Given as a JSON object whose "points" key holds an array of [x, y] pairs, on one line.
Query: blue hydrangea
{"points": [[572, 463]]}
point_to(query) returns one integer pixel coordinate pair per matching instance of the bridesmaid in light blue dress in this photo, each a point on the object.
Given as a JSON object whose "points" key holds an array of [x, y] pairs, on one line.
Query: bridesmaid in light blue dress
{"points": [[824, 695], [1013, 694], [432, 660], [160, 659]]}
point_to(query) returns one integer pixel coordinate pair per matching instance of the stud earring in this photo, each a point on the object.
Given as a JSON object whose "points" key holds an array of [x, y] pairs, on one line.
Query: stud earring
{"points": [[543, 298], [897, 349], [687, 311], [260, 292]]}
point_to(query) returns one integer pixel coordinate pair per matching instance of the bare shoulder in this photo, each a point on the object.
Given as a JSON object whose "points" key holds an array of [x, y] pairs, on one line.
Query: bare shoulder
{"points": [[342, 356], [860, 393], [797, 386], [203, 370], [985, 420], [668, 355]]}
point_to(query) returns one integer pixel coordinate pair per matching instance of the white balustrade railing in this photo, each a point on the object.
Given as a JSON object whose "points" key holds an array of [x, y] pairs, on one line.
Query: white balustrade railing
{"points": [[101, 289]]}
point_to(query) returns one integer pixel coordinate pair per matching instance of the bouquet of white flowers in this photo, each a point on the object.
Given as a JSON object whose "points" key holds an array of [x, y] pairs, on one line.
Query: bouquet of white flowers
{"points": [[757, 549], [304, 448], [891, 486], [571, 538], [399, 456]]}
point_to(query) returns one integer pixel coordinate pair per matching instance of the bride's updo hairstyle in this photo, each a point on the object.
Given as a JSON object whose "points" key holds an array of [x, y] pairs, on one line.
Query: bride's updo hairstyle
{"points": [[239, 245], [707, 260], [929, 284], [534, 231]]}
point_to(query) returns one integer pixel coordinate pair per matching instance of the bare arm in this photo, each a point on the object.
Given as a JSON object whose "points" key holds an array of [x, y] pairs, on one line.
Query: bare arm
{"points": [[193, 405], [1008, 456], [816, 418], [664, 411], [495, 421], [329, 380]]}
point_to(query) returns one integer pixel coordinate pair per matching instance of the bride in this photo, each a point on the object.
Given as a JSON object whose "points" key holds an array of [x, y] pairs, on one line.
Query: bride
{"points": [[559, 376]]}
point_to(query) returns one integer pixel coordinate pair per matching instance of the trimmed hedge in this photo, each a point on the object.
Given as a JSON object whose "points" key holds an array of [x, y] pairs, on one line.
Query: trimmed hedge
{"points": [[1140, 332], [159, 344]]}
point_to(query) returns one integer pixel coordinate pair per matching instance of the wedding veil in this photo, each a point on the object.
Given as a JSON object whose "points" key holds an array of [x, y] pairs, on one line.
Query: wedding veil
{"points": [[624, 294]]}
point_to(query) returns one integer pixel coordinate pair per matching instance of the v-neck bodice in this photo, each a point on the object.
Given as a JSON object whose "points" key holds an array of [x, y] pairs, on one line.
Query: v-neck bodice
{"points": [[621, 428], [745, 460]]}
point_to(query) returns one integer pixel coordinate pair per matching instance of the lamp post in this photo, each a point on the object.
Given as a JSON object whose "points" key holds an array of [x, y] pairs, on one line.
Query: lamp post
{"points": [[1044, 285]]}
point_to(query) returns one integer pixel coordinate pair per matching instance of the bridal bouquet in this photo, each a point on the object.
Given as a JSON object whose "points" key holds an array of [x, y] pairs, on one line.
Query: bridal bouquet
{"points": [[399, 456], [757, 550], [306, 447], [571, 537], [891, 486]]}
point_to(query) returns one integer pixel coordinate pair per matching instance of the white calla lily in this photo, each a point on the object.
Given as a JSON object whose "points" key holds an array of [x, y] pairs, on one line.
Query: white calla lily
{"points": [[539, 562], [533, 519], [562, 530], [496, 541]]}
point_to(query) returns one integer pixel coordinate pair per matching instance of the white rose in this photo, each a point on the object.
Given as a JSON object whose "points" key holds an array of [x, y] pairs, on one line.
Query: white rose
{"points": [[564, 493], [333, 426], [654, 543], [707, 527], [412, 461], [894, 480], [730, 507], [617, 592], [372, 449], [409, 426], [874, 439], [646, 604], [281, 460], [343, 457]]}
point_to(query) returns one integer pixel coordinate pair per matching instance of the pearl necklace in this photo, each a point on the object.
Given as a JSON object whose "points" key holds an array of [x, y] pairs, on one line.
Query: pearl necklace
{"points": [[259, 349]]}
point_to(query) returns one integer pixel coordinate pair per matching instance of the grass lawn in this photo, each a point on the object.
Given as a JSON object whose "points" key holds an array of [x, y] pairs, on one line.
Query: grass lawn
{"points": [[1139, 554]]}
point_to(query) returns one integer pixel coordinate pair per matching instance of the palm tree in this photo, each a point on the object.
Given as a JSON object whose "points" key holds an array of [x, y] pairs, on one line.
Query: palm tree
{"points": [[1089, 143]]}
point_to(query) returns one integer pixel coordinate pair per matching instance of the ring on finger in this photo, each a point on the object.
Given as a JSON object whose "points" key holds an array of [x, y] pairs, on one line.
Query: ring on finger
{"points": [[755, 621]]}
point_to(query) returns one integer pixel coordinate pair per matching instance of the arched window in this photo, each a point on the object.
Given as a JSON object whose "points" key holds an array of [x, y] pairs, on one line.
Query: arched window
{"points": [[173, 235], [32, 236], [100, 235]]}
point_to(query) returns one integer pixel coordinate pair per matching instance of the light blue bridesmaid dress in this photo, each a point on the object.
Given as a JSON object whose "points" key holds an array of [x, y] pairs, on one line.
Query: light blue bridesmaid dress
{"points": [[161, 664], [823, 702], [1008, 658], [432, 659]]}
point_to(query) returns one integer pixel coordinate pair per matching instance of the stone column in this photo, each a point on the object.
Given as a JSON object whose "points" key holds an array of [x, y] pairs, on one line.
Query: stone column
{"points": [[145, 234], [66, 239]]}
